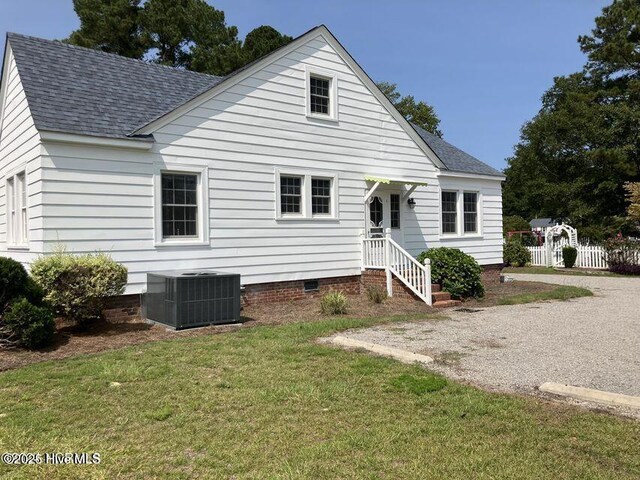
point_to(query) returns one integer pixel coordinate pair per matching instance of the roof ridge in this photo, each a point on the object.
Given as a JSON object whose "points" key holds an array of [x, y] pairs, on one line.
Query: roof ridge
{"points": [[95, 51]]}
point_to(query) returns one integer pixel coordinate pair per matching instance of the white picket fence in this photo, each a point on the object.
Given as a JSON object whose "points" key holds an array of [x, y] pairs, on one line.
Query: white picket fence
{"points": [[589, 256]]}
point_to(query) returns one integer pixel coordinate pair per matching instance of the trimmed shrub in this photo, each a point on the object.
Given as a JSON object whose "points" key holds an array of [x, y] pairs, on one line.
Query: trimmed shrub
{"points": [[14, 281], [333, 303], [27, 325], [77, 286], [516, 254], [24, 320], [458, 273], [623, 255], [569, 256], [377, 294]]}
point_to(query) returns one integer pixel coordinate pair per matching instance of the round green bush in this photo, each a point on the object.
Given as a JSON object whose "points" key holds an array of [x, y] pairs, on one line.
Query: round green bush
{"points": [[77, 286], [13, 281], [458, 273], [569, 256], [516, 254], [28, 325]]}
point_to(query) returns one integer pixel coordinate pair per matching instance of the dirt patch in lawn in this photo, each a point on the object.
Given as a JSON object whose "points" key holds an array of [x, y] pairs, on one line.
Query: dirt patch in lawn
{"points": [[103, 335], [493, 293]]}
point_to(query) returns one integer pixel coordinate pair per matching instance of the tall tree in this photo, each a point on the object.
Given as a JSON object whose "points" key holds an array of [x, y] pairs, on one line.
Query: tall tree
{"points": [[261, 41], [420, 113], [188, 34], [109, 25], [576, 154]]}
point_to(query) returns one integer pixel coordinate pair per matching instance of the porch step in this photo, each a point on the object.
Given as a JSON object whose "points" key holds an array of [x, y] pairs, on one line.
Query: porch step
{"points": [[440, 296], [446, 303], [436, 287]]}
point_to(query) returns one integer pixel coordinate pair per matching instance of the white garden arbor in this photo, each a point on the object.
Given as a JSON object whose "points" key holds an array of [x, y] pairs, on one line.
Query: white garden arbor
{"points": [[554, 248]]}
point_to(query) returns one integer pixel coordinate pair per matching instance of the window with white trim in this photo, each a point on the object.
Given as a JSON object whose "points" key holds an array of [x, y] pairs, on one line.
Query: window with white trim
{"points": [[321, 94], [449, 212], [320, 196], [290, 195], [319, 99], [17, 217], [306, 195], [179, 205], [470, 210], [394, 200]]}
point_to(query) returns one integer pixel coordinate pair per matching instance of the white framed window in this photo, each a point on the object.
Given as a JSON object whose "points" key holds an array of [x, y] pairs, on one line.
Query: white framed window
{"points": [[394, 210], [181, 205], [17, 210], [306, 195], [291, 194], [449, 205], [322, 94], [460, 213], [470, 212]]}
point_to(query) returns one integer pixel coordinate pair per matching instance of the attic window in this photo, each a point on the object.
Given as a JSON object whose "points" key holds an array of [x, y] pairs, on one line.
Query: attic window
{"points": [[322, 94], [319, 95]]}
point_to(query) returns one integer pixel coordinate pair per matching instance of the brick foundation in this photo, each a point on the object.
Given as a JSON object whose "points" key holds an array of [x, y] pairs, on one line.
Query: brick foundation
{"points": [[122, 308], [379, 278], [294, 290], [491, 274], [127, 307]]}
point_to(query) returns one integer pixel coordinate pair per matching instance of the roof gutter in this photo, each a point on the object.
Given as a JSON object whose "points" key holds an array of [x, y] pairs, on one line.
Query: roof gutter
{"points": [[450, 173], [142, 143]]}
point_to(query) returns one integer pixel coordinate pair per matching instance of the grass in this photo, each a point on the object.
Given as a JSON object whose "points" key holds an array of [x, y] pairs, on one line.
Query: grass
{"points": [[269, 402], [561, 293], [562, 271]]}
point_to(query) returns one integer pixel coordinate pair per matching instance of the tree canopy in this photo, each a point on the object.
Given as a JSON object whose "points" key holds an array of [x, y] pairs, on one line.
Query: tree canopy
{"points": [[420, 113], [188, 34], [576, 154]]}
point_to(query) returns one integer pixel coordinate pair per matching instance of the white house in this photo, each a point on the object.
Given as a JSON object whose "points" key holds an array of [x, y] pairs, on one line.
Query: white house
{"points": [[277, 171]]}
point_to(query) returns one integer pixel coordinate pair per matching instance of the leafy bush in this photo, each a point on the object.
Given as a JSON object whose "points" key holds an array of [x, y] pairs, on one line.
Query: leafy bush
{"points": [[514, 223], [516, 254], [376, 294], [458, 273], [77, 286], [27, 325], [24, 320], [569, 256], [333, 303], [623, 255]]}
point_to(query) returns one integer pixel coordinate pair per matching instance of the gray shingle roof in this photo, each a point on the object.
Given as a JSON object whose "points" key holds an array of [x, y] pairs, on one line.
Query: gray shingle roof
{"points": [[543, 222], [454, 159], [79, 90]]}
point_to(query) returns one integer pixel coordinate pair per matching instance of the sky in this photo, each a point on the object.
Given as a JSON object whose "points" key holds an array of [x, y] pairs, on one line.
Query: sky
{"points": [[483, 64]]}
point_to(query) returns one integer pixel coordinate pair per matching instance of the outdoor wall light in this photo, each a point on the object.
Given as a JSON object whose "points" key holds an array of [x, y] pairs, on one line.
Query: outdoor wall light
{"points": [[412, 203]]}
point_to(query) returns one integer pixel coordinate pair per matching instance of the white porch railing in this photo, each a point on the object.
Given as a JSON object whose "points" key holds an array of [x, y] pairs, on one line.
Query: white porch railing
{"points": [[385, 253]]}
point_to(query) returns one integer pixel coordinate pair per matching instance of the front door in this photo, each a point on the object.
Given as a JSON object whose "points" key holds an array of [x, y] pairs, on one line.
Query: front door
{"points": [[385, 211]]}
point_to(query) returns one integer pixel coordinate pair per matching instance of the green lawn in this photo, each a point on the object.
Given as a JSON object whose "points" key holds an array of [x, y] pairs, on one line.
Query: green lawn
{"points": [[268, 402], [560, 293], [563, 271]]}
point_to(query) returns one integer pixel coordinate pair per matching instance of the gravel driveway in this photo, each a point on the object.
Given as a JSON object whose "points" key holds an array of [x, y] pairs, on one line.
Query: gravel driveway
{"points": [[590, 342]]}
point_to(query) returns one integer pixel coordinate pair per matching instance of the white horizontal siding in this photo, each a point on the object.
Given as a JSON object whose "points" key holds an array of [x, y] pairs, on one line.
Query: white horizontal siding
{"points": [[102, 198], [19, 149]]}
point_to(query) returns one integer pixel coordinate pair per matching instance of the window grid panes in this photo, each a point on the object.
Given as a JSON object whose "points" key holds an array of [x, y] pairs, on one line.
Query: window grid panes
{"points": [[290, 195], [319, 95], [449, 212], [179, 205], [11, 209], [320, 196], [470, 212], [395, 210], [21, 203]]}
